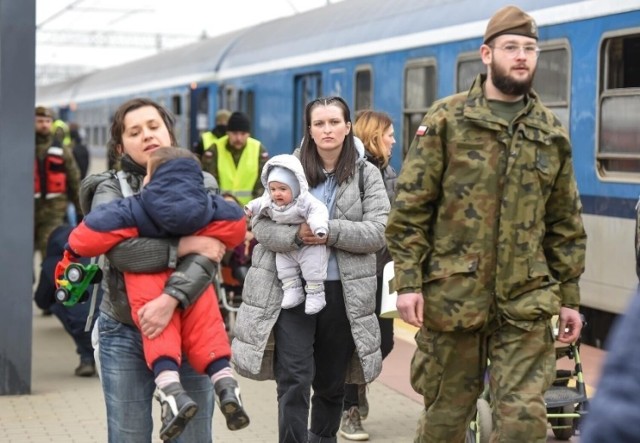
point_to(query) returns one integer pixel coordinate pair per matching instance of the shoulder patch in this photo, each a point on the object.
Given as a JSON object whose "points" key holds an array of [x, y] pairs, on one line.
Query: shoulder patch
{"points": [[264, 155], [207, 153], [422, 130]]}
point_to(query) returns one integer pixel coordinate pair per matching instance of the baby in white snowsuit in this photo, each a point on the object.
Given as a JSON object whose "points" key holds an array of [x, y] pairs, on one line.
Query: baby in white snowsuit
{"points": [[287, 200]]}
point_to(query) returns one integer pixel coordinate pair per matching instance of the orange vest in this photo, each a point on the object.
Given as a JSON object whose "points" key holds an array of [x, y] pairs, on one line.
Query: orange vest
{"points": [[50, 174]]}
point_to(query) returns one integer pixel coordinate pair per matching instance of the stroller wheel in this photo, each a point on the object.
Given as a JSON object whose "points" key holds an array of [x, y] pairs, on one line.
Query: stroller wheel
{"points": [[562, 427]]}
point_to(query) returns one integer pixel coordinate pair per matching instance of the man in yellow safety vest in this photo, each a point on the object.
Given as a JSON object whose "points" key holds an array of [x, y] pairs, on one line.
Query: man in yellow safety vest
{"points": [[236, 160]]}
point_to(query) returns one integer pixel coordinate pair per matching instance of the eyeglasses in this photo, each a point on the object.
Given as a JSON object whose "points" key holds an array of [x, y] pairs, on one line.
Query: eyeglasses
{"points": [[512, 51]]}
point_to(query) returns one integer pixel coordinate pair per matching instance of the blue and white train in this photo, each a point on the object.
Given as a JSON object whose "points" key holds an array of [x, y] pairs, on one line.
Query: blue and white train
{"points": [[399, 56]]}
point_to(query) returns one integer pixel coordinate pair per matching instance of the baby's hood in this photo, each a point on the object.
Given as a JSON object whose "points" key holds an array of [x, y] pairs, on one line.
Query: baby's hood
{"points": [[290, 162]]}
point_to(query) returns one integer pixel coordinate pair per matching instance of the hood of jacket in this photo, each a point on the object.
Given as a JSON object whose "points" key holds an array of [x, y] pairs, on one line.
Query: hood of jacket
{"points": [[176, 199], [289, 162]]}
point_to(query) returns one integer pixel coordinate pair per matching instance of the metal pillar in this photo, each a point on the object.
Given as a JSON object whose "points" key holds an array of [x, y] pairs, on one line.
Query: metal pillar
{"points": [[17, 151]]}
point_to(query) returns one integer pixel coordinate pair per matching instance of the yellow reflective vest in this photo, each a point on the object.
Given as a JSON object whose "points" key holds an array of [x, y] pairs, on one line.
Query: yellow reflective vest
{"points": [[208, 140], [238, 180], [60, 124]]}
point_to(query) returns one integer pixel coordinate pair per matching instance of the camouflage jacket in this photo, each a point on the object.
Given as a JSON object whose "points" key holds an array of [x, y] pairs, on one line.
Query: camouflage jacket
{"points": [[487, 218]]}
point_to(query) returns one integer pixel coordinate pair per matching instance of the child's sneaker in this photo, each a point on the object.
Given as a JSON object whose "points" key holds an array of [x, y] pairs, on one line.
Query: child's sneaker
{"points": [[230, 403], [177, 409]]}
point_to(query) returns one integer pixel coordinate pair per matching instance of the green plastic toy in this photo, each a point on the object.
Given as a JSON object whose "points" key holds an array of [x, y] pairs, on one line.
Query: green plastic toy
{"points": [[72, 288]]}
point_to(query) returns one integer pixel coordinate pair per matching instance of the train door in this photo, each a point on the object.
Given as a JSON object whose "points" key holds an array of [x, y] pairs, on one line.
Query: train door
{"points": [[200, 113], [307, 87]]}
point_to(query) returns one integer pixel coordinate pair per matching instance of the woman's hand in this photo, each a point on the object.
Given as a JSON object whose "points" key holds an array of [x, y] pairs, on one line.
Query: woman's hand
{"points": [[209, 247], [308, 237], [156, 315]]}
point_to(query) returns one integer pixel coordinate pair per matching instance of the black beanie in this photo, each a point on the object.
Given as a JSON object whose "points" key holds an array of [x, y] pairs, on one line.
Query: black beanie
{"points": [[239, 122]]}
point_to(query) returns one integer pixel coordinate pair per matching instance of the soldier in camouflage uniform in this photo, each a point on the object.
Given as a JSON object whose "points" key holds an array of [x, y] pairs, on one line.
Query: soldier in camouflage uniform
{"points": [[56, 181], [488, 243]]}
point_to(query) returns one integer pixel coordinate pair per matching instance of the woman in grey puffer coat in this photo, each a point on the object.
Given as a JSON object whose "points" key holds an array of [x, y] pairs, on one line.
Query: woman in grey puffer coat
{"points": [[342, 342]]}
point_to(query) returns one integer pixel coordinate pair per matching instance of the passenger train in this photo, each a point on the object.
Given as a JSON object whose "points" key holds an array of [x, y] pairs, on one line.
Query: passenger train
{"points": [[399, 56]]}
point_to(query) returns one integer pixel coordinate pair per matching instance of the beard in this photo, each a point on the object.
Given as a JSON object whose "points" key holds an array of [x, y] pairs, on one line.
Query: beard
{"points": [[507, 85]]}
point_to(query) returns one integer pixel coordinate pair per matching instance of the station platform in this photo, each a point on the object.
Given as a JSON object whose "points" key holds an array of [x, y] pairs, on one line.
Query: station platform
{"points": [[70, 409]]}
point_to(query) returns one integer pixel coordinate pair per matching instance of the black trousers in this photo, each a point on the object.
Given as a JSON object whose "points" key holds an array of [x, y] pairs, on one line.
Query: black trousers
{"points": [[312, 351], [386, 345]]}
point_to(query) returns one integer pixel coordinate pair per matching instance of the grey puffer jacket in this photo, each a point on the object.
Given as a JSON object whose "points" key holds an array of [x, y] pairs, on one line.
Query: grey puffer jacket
{"points": [[390, 178], [356, 232], [194, 273]]}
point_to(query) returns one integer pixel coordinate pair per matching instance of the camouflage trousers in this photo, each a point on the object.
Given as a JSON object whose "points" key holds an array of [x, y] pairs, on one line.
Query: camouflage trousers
{"points": [[48, 216], [448, 369]]}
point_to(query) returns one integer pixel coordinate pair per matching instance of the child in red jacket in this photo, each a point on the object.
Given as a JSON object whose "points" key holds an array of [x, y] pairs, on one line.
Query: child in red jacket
{"points": [[173, 203]]}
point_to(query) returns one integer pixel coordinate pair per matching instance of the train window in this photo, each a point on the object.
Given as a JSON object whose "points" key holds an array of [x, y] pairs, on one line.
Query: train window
{"points": [[176, 104], [307, 87], [240, 100], [229, 99], [552, 80], [619, 106], [468, 70], [364, 90], [96, 135], [419, 94], [250, 107]]}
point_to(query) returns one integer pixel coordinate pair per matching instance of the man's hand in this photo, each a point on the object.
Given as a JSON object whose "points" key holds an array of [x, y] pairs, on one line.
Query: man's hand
{"points": [[570, 325], [156, 315], [209, 247], [411, 308]]}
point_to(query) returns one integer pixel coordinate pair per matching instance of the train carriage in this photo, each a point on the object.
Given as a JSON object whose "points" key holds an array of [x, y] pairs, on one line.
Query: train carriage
{"points": [[399, 57]]}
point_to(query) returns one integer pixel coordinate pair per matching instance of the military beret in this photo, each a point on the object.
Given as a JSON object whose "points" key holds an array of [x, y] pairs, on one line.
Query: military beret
{"points": [[510, 20], [41, 111]]}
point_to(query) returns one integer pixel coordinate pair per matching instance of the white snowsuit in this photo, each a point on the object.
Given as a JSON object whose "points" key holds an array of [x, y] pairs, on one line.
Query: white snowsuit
{"points": [[310, 261]]}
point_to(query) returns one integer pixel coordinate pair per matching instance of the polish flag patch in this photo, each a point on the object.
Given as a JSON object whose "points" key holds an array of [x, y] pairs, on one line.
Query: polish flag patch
{"points": [[421, 130]]}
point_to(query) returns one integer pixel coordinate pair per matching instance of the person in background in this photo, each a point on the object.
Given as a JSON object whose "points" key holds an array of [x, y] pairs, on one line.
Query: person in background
{"points": [[236, 160], [79, 149], [375, 130], [235, 265], [56, 180], [342, 342], [238, 260], [60, 131], [139, 127], [208, 138], [73, 318], [614, 414], [287, 200], [488, 244], [173, 203]]}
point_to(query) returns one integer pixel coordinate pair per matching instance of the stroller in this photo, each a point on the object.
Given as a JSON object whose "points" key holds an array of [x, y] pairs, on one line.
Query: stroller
{"points": [[228, 286], [566, 401]]}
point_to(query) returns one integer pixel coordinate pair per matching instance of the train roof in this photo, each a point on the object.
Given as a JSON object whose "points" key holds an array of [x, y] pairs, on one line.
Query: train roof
{"points": [[342, 30], [355, 22], [362, 27], [191, 63]]}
